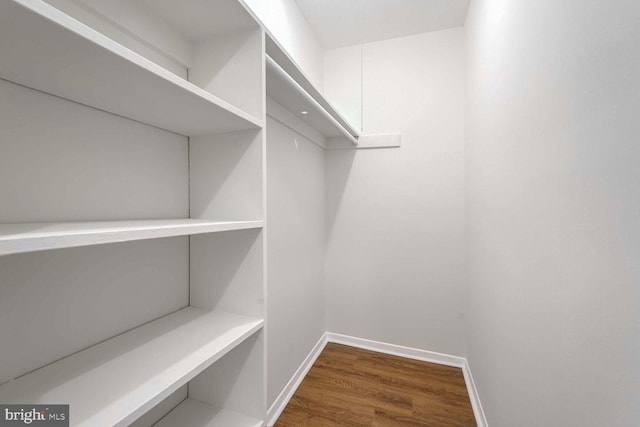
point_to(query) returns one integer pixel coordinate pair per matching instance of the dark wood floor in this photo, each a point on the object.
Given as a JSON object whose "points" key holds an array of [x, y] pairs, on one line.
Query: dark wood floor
{"points": [[348, 386]]}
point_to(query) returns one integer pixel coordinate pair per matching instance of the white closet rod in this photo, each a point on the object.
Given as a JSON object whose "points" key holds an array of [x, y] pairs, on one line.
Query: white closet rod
{"points": [[274, 65]]}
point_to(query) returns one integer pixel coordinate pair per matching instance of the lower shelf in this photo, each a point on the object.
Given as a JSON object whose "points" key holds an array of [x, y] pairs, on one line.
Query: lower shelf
{"points": [[192, 413], [116, 381]]}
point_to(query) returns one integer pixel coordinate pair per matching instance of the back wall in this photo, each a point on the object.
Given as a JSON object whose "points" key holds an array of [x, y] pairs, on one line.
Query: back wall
{"points": [[395, 265]]}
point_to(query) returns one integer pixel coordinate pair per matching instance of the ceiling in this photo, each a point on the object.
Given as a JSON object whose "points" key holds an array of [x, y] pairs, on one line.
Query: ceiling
{"points": [[339, 23]]}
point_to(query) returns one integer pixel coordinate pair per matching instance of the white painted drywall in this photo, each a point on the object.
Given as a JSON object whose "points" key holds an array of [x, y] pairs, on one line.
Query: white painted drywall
{"points": [[295, 244], [289, 27], [395, 220], [343, 82], [66, 162], [554, 207], [340, 23]]}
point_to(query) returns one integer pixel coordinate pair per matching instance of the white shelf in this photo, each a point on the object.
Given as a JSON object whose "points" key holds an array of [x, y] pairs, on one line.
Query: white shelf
{"points": [[192, 413], [287, 84], [45, 49], [116, 381], [29, 237]]}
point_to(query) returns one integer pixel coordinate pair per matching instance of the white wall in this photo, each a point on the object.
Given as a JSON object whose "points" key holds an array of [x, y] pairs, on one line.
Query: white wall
{"points": [[343, 82], [295, 245], [289, 27], [395, 265], [554, 236]]}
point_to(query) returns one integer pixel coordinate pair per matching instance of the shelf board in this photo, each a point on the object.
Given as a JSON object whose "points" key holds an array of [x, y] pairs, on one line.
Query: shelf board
{"points": [[45, 49], [118, 380], [282, 90], [193, 413], [30, 237]]}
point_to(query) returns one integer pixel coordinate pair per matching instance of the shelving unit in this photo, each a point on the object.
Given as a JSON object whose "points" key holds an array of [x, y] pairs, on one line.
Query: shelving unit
{"points": [[131, 243]]}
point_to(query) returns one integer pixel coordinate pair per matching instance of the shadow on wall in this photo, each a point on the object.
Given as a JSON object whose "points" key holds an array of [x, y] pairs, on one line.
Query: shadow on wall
{"points": [[341, 164], [230, 166]]}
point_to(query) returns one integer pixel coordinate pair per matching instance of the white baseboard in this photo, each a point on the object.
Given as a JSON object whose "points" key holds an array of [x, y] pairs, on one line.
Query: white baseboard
{"points": [[283, 398], [478, 412], [396, 350]]}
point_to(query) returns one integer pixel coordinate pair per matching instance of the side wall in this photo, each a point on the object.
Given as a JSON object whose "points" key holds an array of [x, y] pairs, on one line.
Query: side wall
{"points": [[395, 264], [554, 236], [286, 23], [295, 245]]}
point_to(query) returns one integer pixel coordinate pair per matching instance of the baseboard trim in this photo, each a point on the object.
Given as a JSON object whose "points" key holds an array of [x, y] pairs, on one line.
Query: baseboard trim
{"points": [[283, 398], [396, 350], [478, 412]]}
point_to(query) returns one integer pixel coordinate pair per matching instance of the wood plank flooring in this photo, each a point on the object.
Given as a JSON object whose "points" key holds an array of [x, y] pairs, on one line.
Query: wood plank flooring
{"points": [[348, 386]]}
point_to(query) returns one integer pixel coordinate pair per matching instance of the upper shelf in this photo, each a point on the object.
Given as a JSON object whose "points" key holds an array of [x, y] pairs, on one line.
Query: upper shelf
{"points": [[45, 49], [289, 86], [117, 381], [30, 237]]}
